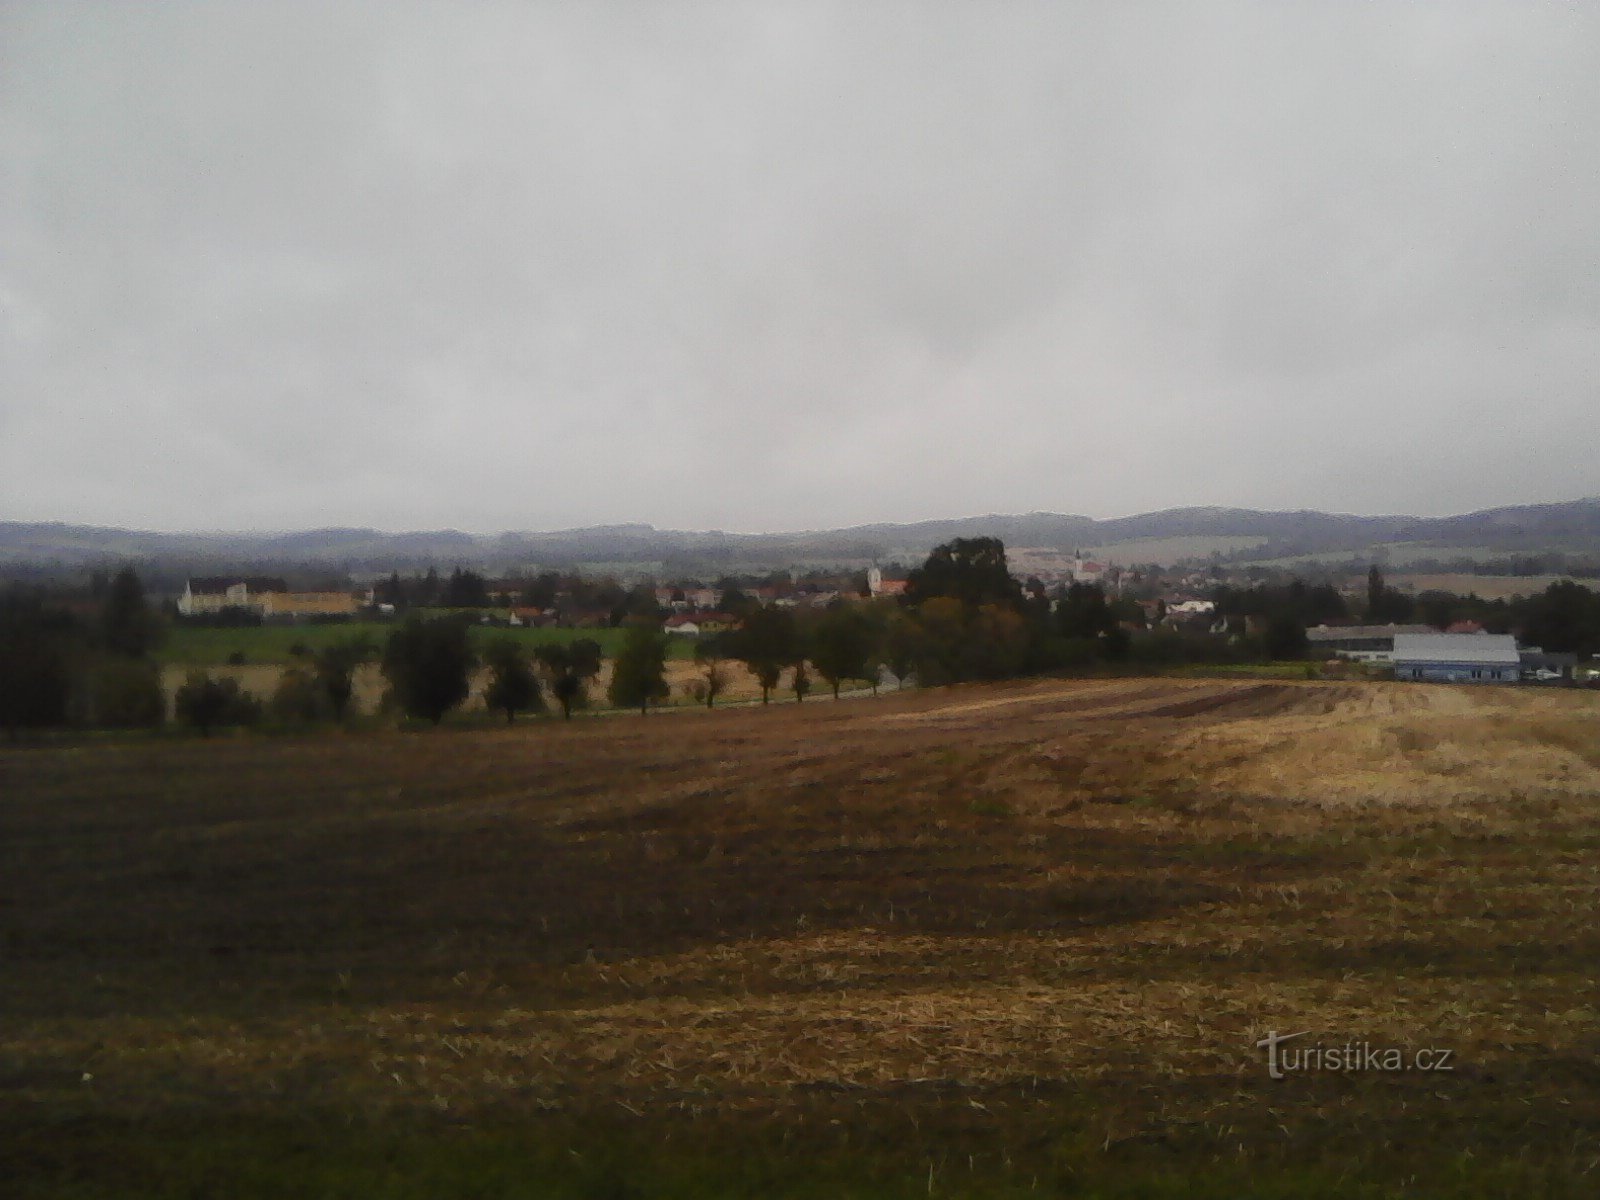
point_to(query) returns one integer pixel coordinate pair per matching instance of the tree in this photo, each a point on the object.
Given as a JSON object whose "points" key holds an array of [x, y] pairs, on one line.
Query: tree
{"points": [[1386, 604], [800, 683], [123, 693], [709, 653], [736, 600], [207, 703], [38, 649], [767, 642], [299, 699], [465, 589], [1285, 636], [971, 570], [840, 643], [1564, 618], [335, 667], [570, 666], [997, 642], [1082, 612], [429, 665], [128, 627], [513, 687], [901, 645], [638, 675]]}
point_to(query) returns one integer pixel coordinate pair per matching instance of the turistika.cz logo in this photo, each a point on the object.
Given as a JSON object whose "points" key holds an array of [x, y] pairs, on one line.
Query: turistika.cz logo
{"points": [[1349, 1056]]}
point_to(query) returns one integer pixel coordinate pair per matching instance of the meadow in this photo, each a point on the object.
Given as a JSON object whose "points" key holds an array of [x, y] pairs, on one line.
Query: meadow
{"points": [[981, 941]]}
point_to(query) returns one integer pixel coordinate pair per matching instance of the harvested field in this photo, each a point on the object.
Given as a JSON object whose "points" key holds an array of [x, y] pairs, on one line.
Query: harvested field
{"points": [[970, 941]]}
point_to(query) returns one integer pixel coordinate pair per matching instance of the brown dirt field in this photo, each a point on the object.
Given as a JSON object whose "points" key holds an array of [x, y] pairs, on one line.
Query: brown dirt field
{"points": [[1116, 884]]}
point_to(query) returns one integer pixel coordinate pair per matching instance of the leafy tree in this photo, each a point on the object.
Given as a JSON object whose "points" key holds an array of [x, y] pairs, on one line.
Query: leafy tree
{"points": [[840, 643], [971, 570], [768, 641], [1564, 618], [335, 666], [710, 653], [123, 693], [1082, 612], [299, 698], [638, 675], [997, 644], [513, 687], [1285, 636], [465, 589], [429, 665], [38, 648], [1385, 604], [901, 644], [940, 641], [639, 605], [800, 682], [541, 591], [736, 601], [570, 666], [206, 703], [128, 626]]}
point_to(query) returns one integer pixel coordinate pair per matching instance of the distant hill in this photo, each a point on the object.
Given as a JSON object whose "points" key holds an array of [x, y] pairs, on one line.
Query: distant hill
{"points": [[1233, 534]]}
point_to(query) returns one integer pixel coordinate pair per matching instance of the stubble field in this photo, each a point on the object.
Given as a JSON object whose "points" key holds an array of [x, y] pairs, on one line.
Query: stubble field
{"points": [[979, 941]]}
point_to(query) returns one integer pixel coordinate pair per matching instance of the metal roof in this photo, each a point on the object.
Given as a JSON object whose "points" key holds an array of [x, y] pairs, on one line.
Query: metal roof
{"points": [[1475, 649]]}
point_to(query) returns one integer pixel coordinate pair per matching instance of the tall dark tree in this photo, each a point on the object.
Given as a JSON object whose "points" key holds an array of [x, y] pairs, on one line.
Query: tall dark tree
{"points": [[570, 666], [737, 601], [767, 642], [711, 654], [1082, 612], [1386, 605], [971, 570], [513, 687], [638, 675], [465, 589], [840, 645], [39, 647], [335, 667], [1285, 636], [901, 645], [1564, 618], [128, 626], [429, 666]]}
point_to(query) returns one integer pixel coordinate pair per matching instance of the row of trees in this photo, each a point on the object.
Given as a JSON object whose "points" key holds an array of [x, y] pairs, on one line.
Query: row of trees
{"points": [[962, 617], [86, 667]]}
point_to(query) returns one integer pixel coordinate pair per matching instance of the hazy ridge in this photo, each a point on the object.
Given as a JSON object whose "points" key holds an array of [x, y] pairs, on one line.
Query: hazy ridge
{"points": [[1571, 527]]}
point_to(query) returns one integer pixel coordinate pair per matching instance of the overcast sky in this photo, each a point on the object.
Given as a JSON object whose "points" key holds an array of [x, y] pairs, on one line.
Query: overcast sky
{"points": [[769, 266]]}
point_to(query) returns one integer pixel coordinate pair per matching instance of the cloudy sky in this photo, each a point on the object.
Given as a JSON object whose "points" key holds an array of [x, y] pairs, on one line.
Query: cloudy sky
{"points": [[772, 266]]}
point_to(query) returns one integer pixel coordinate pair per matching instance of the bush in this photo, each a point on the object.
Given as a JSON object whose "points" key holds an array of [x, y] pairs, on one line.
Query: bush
{"points": [[123, 693], [208, 703], [299, 700]]}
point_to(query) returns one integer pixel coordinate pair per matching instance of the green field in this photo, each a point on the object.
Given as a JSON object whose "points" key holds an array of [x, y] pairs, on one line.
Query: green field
{"points": [[208, 646]]}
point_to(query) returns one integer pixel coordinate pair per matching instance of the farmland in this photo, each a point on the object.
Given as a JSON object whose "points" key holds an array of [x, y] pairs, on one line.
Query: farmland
{"points": [[989, 940]]}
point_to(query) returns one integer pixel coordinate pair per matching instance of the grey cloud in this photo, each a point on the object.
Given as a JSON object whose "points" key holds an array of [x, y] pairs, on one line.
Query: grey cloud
{"points": [[766, 266]]}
